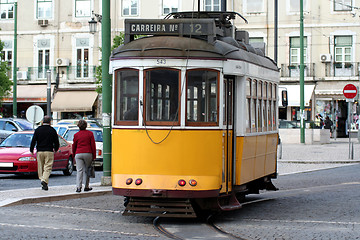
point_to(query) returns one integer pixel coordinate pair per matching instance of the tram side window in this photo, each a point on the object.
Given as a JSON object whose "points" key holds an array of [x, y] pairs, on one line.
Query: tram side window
{"points": [[202, 97], [127, 96], [248, 105], [162, 96]]}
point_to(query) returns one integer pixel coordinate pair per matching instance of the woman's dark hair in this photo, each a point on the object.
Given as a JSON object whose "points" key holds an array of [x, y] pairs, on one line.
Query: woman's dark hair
{"points": [[82, 124]]}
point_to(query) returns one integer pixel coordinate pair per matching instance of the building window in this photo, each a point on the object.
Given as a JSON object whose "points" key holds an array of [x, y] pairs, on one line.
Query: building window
{"points": [[343, 48], [7, 9], [343, 56], [295, 50], [170, 6], [82, 58], [130, 7], [44, 9], [294, 5], [212, 5], [256, 40], [162, 96], [127, 96], [342, 5], [82, 8], [254, 6], [43, 46], [202, 97], [6, 55]]}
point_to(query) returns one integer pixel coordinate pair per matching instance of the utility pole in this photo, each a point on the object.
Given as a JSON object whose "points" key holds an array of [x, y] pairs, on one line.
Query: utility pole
{"points": [[15, 63], [276, 31], [302, 113], [106, 91]]}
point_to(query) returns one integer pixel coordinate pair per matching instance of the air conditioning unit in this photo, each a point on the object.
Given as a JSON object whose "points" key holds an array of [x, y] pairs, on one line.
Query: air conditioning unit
{"points": [[325, 58], [43, 22], [60, 62], [21, 75]]}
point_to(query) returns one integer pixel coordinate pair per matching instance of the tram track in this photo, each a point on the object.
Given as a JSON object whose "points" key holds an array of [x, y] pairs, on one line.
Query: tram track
{"points": [[182, 229]]}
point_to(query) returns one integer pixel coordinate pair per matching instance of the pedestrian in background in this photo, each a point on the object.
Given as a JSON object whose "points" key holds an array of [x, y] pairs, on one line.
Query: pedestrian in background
{"points": [[328, 125], [46, 141], [84, 149]]}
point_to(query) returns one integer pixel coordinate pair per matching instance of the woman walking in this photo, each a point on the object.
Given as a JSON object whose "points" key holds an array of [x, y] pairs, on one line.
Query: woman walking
{"points": [[84, 149]]}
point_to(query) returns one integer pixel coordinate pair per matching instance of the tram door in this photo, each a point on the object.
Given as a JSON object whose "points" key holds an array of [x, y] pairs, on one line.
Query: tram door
{"points": [[228, 132]]}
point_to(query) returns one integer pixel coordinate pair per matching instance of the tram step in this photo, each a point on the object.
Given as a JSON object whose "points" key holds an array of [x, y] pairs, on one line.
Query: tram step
{"points": [[179, 208], [229, 203]]}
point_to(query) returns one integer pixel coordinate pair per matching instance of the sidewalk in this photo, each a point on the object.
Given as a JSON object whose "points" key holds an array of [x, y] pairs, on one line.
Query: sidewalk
{"points": [[55, 193], [292, 158]]}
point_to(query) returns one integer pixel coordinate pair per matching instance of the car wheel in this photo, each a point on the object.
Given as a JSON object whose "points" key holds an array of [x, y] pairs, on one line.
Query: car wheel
{"points": [[69, 168]]}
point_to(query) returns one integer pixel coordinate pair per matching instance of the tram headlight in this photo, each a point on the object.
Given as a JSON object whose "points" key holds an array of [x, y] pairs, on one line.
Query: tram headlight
{"points": [[138, 181], [193, 182], [129, 181], [182, 182]]}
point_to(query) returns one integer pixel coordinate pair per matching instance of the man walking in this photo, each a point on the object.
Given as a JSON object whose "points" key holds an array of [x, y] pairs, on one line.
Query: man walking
{"points": [[46, 140]]}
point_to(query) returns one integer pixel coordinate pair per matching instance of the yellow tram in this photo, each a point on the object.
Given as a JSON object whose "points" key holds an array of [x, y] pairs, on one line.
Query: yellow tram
{"points": [[194, 121]]}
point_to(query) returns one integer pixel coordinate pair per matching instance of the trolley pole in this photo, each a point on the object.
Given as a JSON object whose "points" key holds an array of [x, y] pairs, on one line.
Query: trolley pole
{"points": [[106, 91], [15, 63], [302, 113]]}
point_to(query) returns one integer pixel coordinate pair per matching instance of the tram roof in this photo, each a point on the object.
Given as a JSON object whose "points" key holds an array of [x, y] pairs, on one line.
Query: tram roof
{"points": [[184, 47]]}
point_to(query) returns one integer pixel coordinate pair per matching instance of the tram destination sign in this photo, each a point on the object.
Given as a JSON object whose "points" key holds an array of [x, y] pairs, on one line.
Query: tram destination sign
{"points": [[178, 27]]}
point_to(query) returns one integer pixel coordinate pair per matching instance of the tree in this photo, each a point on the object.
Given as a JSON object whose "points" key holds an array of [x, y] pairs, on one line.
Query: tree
{"points": [[117, 41], [5, 82]]}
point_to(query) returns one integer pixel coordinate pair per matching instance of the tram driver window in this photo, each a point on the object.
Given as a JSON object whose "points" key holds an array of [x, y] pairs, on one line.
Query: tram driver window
{"points": [[127, 96], [202, 97], [162, 96]]}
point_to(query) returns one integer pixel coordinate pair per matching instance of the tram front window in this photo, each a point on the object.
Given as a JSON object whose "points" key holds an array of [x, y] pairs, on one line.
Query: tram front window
{"points": [[202, 100], [162, 96], [127, 96]]}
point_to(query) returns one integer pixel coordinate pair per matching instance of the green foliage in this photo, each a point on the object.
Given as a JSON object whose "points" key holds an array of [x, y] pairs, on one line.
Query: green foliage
{"points": [[117, 41], [5, 82]]}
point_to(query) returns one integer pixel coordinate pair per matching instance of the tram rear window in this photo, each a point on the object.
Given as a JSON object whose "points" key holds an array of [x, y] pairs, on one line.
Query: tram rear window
{"points": [[202, 97], [127, 95], [162, 96]]}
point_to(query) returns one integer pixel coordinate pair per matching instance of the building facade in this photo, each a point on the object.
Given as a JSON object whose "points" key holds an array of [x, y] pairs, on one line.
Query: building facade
{"points": [[54, 35]]}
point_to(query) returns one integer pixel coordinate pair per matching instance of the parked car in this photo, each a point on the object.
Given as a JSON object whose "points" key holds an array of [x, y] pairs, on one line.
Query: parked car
{"points": [[287, 124], [61, 128], [98, 135], [91, 122], [15, 155], [11, 125]]}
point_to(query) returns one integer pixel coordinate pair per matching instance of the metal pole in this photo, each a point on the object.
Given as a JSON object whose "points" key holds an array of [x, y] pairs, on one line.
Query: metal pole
{"points": [[349, 128], [15, 63], [276, 31], [48, 106], [106, 91], [302, 114]]}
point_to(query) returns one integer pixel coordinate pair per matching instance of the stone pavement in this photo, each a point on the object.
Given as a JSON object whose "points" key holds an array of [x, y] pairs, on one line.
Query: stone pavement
{"points": [[292, 158]]}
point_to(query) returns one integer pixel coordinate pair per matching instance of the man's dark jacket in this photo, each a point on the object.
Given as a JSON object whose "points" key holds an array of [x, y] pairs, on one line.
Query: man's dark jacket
{"points": [[45, 138]]}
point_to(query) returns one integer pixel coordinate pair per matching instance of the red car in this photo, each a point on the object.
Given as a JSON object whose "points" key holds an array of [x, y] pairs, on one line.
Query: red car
{"points": [[15, 156]]}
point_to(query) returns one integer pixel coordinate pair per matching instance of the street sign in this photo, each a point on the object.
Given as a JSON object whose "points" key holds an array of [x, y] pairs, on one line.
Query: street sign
{"points": [[34, 114], [350, 91]]}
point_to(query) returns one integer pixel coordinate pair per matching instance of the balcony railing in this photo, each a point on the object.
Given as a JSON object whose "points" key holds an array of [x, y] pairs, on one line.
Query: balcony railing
{"points": [[342, 69], [294, 70], [67, 73]]}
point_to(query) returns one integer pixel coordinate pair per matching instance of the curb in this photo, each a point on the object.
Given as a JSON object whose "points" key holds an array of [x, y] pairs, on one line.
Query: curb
{"points": [[57, 197], [320, 162]]}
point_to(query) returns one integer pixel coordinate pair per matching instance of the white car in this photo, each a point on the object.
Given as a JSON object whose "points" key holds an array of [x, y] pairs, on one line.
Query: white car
{"points": [[62, 128], [98, 135], [91, 122]]}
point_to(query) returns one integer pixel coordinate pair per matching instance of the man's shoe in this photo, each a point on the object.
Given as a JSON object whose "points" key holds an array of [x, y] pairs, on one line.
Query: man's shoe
{"points": [[87, 189], [44, 186], [78, 190]]}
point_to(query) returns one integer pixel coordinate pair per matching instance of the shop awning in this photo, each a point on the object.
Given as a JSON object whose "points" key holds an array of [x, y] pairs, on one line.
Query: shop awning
{"points": [[29, 93], [73, 101], [294, 94], [332, 89]]}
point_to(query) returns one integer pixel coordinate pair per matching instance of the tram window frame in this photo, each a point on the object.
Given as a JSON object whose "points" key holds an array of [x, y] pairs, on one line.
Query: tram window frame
{"points": [[152, 97], [207, 88], [120, 116]]}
